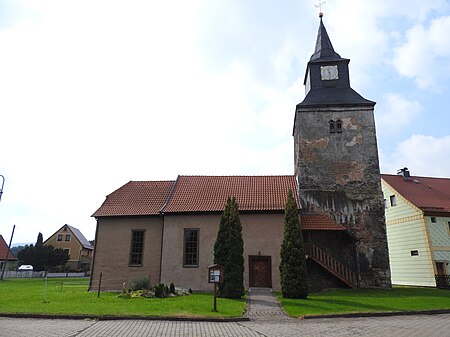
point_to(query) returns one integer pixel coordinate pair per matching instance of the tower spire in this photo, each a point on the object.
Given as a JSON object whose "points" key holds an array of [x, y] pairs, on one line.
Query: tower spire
{"points": [[324, 49]]}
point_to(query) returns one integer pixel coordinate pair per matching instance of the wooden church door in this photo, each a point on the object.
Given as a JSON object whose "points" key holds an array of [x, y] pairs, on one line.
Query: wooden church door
{"points": [[260, 269]]}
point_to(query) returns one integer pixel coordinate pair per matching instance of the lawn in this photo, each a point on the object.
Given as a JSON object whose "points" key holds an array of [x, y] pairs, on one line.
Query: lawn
{"points": [[367, 300], [27, 296]]}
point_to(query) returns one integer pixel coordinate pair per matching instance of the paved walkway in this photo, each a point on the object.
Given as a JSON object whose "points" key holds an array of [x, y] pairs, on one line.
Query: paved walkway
{"points": [[267, 319], [263, 306]]}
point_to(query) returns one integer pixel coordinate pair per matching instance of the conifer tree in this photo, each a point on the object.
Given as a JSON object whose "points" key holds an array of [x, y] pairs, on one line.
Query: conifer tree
{"points": [[293, 273], [40, 240], [229, 250]]}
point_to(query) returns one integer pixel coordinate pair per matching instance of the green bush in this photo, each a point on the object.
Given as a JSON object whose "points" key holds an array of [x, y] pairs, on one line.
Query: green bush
{"points": [[140, 283], [172, 288], [160, 290]]}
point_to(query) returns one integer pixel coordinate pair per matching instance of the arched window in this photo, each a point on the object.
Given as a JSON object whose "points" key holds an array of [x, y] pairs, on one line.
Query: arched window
{"points": [[332, 126], [338, 126]]}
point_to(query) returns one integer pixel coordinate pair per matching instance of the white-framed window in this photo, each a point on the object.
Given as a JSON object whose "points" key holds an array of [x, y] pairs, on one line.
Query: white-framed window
{"points": [[415, 252], [59, 238], [67, 237], [393, 200], [433, 219]]}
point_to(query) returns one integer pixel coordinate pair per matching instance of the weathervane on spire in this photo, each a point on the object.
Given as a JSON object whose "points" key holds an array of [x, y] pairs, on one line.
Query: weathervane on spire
{"points": [[319, 5]]}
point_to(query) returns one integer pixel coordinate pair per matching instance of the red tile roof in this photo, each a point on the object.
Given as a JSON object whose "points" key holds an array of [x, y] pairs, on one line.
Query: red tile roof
{"points": [[432, 195], [4, 249], [198, 194], [136, 198], [210, 193], [319, 222]]}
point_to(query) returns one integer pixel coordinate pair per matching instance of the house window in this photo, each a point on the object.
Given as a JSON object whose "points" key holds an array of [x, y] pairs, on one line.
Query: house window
{"points": [[338, 126], [190, 256], [448, 223], [433, 219], [67, 237], [415, 253], [59, 238], [137, 247], [332, 126], [67, 250], [393, 200]]}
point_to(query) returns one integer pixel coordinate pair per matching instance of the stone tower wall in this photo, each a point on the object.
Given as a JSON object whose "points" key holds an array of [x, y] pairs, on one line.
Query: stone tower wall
{"points": [[339, 175]]}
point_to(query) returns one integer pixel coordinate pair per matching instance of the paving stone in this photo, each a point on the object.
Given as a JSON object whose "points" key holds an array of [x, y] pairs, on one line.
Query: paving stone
{"points": [[11, 327]]}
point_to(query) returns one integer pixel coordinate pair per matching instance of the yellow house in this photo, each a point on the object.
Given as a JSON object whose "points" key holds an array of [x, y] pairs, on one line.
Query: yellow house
{"points": [[418, 228], [73, 241]]}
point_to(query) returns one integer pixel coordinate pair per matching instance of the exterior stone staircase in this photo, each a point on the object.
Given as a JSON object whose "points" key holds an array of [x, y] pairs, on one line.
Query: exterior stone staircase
{"points": [[336, 268]]}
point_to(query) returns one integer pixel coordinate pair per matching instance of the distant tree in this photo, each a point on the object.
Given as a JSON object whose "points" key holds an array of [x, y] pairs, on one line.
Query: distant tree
{"points": [[43, 257], [40, 239], [16, 250], [229, 250], [293, 273]]}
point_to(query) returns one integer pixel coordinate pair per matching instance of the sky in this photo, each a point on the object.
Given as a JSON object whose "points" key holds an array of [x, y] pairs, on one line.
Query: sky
{"points": [[95, 93]]}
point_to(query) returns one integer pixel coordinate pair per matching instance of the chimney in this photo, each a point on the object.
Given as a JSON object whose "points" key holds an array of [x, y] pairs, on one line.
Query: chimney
{"points": [[404, 172]]}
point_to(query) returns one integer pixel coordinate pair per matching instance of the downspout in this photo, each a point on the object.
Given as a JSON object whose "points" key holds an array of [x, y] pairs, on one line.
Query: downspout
{"points": [[93, 257], [161, 212], [162, 242]]}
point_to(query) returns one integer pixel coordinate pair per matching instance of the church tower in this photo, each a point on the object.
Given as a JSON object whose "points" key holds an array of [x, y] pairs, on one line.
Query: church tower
{"points": [[336, 164]]}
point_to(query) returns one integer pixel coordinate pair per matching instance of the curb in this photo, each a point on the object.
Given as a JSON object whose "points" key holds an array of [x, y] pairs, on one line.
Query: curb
{"points": [[121, 318], [380, 314]]}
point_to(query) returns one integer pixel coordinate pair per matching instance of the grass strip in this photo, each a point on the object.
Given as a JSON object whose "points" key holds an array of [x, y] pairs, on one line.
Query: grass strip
{"points": [[26, 296], [344, 301]]}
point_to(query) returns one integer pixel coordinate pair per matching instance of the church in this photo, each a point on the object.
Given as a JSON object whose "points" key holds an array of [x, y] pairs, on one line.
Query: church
{"points": [[165, 230]]}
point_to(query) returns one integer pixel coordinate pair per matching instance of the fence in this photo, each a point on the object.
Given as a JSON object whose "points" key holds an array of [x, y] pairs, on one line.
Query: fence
{"points": [[39, 274], [442, 281]]}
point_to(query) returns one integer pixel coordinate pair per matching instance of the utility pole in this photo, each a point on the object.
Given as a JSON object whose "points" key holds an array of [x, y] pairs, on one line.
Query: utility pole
{"points": [[3, 184]]}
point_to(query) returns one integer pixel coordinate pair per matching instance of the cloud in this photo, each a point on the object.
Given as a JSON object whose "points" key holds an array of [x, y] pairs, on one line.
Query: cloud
{"points": [[364, 31], [423, 155], [394, 113], [425, 55]]}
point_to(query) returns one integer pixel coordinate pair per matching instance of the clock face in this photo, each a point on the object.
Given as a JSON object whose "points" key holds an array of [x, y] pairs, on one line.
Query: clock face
{"points": [[329, 72]]}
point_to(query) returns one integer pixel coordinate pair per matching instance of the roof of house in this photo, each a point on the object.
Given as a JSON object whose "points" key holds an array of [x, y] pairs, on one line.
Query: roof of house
{"points": [[79, 236], [198, 194], [431, 195], [4, 250], [84, 242], [136, 198], [319, 222]]}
